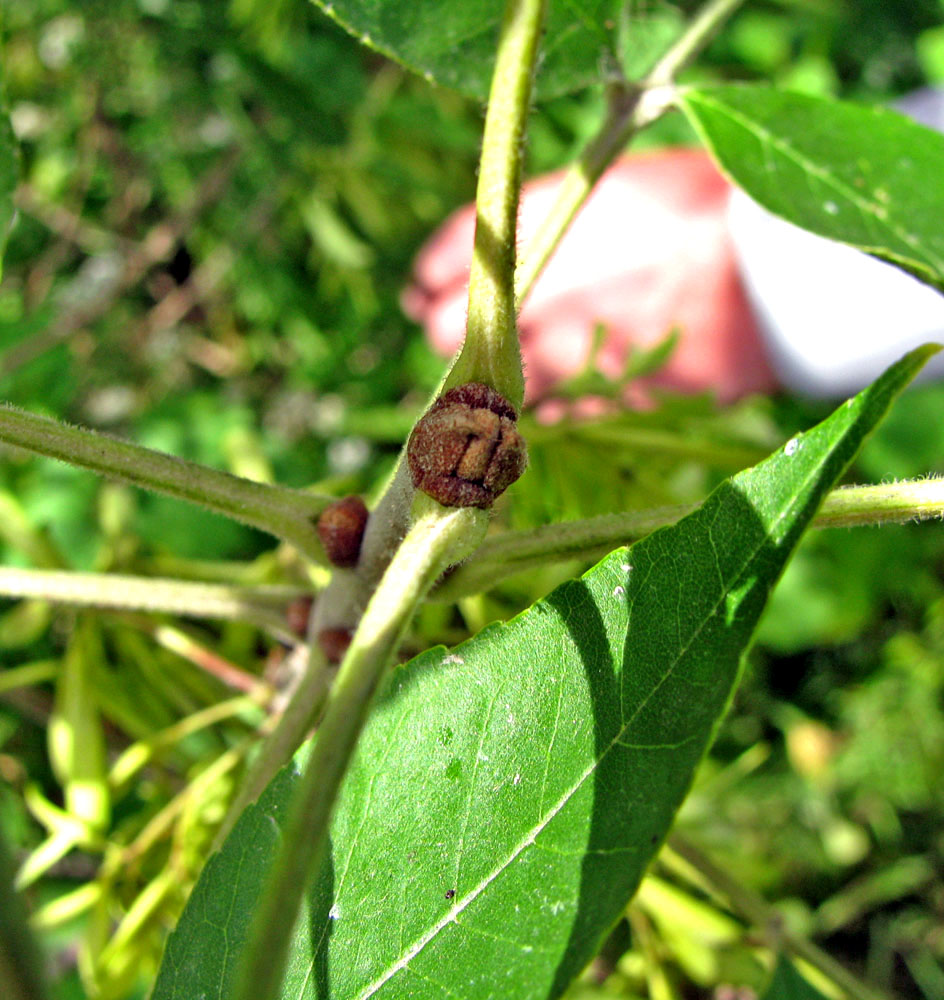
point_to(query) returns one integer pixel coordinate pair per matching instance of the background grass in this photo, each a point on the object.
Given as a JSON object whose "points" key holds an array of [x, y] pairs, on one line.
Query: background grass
{"points": [[218, 211]]}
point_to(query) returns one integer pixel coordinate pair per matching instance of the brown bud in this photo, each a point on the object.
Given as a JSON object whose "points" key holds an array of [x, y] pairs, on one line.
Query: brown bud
{"points": [[297, 613], [341, 529], [466, 450], [334, 643]]}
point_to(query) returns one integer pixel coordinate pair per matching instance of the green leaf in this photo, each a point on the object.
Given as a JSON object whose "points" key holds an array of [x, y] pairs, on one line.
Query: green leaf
{"points": [[8, 179], [788, 984], [20, 962], [868, 177], [506, 798], [452, 42], [202, 953]]}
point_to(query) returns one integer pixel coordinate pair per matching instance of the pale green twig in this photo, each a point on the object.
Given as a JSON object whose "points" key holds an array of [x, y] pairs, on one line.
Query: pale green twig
{"points": [[286, 735], [886, 503], [438, 538], [511, 552], [288, 514], [756, 910], [263, 606], [632, 107], [697, 34], [490, 352]]}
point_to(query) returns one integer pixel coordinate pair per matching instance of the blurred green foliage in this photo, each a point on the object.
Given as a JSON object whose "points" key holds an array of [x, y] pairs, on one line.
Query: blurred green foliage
{"points": [[218, 210]]}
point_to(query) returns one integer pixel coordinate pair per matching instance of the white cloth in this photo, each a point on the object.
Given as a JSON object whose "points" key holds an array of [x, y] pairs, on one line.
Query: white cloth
{"points": [[834, 318]]}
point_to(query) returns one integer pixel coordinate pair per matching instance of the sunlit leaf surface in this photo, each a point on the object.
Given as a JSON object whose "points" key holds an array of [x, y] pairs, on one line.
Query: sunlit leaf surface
{"points": [[453, 41], [507, 796], [868, 177]]}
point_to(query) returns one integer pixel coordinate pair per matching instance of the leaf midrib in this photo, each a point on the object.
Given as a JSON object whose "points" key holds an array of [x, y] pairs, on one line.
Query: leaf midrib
{"points": [[830, 181], [450, 916]]}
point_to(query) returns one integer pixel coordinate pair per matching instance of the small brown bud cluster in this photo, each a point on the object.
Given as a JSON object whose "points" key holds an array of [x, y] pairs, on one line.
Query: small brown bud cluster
{"points": [[466, 450], [341, 530], [297, 614], [334, 643]]}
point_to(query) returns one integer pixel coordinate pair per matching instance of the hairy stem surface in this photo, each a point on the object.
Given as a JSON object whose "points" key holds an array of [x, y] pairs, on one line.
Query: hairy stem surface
{"points": [[288, 514], [632, 107], [439, 537], [513, 552]]}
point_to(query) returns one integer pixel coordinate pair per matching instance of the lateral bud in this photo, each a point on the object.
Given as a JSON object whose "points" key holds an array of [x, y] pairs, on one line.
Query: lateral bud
{"points": [[466, 450], [334, 643], [341, 530]]}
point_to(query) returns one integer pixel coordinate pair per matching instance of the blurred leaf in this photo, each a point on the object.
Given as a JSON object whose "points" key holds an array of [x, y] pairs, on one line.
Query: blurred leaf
{"points": [[788, 984], [893, 726], [453, 41], [930, 52], [833, 590], [506, 799], [20, 977], [76, 736], [631, 459], [868, 177], [8, 178]]}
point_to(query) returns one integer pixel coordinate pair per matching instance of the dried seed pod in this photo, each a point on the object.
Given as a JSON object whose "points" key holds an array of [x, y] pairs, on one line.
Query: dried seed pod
{"points": [[341, 529], [334, 643], [466, 449]]}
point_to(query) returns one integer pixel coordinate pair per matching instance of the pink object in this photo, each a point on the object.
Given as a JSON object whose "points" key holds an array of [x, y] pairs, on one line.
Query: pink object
{"points": [[648, 252]]}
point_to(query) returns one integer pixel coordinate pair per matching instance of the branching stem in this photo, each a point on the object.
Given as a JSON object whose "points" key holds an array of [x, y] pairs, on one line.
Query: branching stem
{"points": [[439, 537], [513, 552], [288, 514], [632, 107], [263, 606], [760, 913]]}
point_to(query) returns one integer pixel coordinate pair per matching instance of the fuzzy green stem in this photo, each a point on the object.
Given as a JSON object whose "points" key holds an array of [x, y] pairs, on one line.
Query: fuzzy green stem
{"points": [[439, 537], [263, 606], [632, 108], [295, 722], [513, 552], [697, 34], [760, 913], [490, 353], [288, 514], [886, 503], [20, 961]]}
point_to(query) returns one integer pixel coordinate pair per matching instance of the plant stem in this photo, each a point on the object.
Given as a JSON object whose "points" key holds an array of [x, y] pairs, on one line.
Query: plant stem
{"points": [[285, 737], [511, 552], [697, 34], [759, 912], [439, 537], [288, 514], [263, 606], [20, 961], [632, 107], [490, 352], [886, 503]]}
